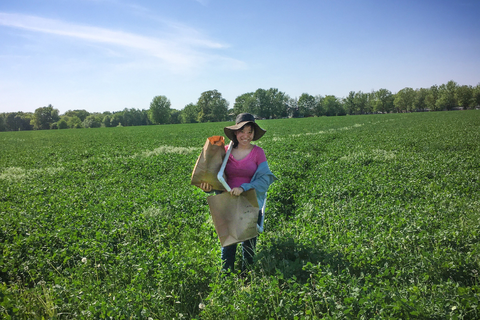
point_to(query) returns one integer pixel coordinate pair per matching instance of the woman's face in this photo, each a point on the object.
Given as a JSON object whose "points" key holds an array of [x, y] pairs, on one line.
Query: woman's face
{"points": [[245, 135]]}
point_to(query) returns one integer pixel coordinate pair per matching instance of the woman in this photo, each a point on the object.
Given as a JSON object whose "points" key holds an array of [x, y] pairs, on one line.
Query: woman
{"points": [[246, 169]]}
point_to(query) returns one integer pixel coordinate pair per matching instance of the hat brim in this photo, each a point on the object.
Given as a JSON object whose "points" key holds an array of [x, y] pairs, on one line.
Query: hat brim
{"points": [[258, 132]]}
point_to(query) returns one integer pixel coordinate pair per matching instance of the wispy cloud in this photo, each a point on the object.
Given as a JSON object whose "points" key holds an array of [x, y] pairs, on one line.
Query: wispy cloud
{"points": [[180, 49]]}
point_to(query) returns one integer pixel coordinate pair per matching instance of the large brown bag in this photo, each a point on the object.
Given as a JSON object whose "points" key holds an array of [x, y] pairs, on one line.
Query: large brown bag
{"points": [[209, 163], [235, 217]]}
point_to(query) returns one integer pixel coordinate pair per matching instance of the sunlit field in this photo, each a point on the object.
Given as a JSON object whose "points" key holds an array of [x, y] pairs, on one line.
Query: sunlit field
{"points": [[373, 217]]}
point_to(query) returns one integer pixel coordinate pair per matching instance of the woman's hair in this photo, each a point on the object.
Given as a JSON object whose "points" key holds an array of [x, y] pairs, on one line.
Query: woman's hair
{"points": [[235, 141]]}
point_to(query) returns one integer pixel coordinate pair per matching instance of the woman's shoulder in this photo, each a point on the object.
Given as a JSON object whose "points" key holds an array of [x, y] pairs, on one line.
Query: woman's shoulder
{"points": [[258, 149], [259, 154]]}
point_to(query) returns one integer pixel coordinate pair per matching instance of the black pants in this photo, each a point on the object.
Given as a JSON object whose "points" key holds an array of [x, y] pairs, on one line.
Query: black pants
{"points": [[248, 246]]}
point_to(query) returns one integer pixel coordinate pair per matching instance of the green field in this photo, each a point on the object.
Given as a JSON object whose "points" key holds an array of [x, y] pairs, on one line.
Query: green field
{"points": [[373, 217]]}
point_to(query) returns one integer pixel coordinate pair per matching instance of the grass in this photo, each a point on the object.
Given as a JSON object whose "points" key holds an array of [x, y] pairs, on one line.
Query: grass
{"points": [[372, 217]]}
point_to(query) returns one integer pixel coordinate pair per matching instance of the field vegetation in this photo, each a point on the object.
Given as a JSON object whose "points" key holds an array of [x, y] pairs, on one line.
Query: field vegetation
{"points": [[373, 217]]}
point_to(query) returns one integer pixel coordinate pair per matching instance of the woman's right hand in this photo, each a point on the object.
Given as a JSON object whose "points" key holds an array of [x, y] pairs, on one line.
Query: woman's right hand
{"points": [[207, 187]]}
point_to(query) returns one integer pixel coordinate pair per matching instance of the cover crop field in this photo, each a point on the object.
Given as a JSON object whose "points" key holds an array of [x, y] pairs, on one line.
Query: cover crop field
{"points": [[373, 217]]}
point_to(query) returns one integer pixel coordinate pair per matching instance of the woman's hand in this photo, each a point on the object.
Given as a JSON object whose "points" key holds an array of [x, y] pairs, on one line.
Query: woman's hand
{"points": [[236, 191], [207, 187]]}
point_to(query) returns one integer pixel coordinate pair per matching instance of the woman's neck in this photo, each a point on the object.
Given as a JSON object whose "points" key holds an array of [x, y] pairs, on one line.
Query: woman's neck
{"points": [[247, 147]]}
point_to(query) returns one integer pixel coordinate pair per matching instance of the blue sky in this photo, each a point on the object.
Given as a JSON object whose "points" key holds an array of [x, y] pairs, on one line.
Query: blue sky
{"points": [[107, 55]]}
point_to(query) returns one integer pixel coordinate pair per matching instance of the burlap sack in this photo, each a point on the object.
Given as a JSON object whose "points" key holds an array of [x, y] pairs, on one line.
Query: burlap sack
{"points": [[209, 163], [235, 218]]}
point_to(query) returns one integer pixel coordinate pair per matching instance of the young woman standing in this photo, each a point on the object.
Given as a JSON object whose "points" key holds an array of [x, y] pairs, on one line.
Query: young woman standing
{"points": [[246, 169]]}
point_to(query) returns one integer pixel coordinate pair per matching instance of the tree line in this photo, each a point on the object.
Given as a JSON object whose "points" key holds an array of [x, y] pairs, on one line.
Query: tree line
{"points": [[265, 104]]}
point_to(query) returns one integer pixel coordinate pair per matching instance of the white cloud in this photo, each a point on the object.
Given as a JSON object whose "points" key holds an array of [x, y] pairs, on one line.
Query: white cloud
{"points": [[179, 50]]}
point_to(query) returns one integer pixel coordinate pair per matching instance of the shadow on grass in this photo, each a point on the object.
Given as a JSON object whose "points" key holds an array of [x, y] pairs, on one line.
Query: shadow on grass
{"points": [[293, 258]]}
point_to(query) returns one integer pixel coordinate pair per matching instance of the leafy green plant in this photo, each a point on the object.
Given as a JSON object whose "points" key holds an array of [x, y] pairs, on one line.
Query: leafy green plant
{"points": [[372, 217]]}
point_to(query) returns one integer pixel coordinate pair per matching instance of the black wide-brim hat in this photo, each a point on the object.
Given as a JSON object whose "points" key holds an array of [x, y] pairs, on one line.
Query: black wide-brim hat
{"points": [[241, 120]]}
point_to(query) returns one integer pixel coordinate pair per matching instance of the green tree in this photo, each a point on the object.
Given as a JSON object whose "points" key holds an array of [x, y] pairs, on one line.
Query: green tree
{"points": [[81, 114], [464, 95], [26, 119], [349, 103], [262, 107], [332, 106], [107, 120], [134, 117], [18, 121], [431, 98], [175, 116], [447, 96], [292, 107], [270, 103], [306, 105], [116, 119], [74, 122], [92, 121], [44, 117], [360, 101], [159, 112], [128, 118], [62, 124], [371, 101], [189, 113], [404, 100], [420, 104], [212, 107], [476, 95], [384, 101], [340, 108], [3, 126], [145, 118], [11, 122], [318, 109], [245, 103], [278, 103]]}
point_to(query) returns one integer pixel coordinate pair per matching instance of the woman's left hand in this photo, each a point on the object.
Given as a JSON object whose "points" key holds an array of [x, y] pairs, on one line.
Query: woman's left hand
{"points": [[236, 191]]}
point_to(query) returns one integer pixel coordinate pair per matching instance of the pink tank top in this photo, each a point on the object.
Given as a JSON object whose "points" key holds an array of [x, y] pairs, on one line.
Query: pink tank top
{"points": [[242, 171]]}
